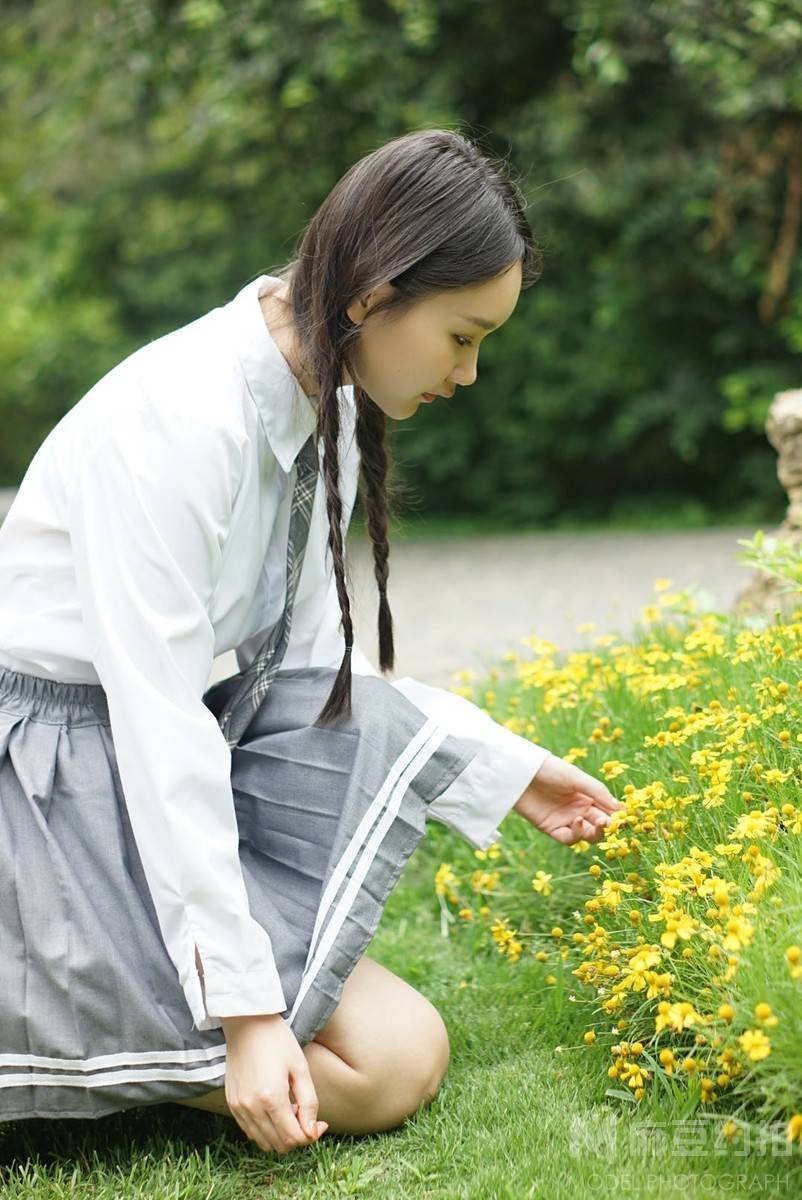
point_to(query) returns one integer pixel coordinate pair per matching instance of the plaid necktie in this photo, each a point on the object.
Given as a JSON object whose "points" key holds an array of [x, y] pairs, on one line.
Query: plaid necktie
{"points": [[238, 712]]}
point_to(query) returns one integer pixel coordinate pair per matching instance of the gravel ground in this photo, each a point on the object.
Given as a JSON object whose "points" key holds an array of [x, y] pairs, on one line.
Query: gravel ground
{"points": [[461, 605]]}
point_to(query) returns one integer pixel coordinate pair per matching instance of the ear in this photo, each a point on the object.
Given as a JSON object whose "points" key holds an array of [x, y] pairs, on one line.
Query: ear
{"points": [[360, 308]]}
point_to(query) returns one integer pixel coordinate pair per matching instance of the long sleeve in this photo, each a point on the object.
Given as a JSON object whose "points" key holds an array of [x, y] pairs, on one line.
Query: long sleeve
{"points": [[504, 763], [149, 510]]}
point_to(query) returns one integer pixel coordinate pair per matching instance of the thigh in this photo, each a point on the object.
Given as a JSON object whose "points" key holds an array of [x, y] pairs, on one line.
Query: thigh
{"points": [[381, 1022]]}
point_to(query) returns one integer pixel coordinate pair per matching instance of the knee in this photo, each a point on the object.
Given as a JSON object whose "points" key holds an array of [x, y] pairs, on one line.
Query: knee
{"points": [[438, 1054], [412, 1077]]}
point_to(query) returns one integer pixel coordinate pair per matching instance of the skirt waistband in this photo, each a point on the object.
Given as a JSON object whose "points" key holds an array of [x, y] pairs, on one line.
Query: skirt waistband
{"points": [[53, 700]]}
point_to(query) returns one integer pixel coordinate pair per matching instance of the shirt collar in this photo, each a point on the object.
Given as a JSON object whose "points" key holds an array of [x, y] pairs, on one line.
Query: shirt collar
{"points": [[286, 412]]}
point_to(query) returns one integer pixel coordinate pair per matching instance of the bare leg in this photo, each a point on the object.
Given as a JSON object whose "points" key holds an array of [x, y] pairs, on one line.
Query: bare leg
{"points": [[379, 1057]]}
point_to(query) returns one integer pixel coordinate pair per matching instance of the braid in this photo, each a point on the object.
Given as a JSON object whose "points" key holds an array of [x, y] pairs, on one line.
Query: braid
{"points": [[371, 429], [328, 433], [426, 213], [378, 493]]}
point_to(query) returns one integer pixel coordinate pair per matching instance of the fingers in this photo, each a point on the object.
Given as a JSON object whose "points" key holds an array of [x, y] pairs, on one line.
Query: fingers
{"points": [[321, 1126], [273, 1125], [603, 798], [596, 791], [304, 1091], [287, 1129], [582, 827]]}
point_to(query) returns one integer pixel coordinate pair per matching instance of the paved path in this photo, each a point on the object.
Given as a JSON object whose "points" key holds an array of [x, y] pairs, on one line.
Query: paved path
{"points": [[462, 604]]}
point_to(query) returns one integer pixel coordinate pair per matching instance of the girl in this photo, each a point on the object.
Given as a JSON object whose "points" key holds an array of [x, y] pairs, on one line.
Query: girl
{"points": [[190, 875]]}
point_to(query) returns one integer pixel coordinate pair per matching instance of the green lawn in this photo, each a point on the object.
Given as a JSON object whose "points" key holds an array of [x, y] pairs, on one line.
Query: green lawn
{"points": [[643, 515], [522, 1111]]}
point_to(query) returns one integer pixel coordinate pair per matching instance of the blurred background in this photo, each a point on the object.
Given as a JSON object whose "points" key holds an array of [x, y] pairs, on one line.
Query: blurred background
{"points": [[154, 156]]}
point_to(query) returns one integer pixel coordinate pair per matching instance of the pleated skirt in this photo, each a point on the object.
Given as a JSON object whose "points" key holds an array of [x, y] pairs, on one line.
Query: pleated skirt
{"points": [[93, 1019]]}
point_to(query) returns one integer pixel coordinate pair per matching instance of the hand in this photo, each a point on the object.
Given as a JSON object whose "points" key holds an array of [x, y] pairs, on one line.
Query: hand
{"points": [[567, 803], [263, 1059]]}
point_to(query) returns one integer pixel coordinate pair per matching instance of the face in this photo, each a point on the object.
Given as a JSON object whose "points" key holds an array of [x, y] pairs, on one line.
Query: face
{"points": [[434, 347]]}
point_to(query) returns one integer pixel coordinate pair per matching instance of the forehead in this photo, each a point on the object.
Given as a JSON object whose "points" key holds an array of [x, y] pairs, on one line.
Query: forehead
{"points": [[490, 303]]}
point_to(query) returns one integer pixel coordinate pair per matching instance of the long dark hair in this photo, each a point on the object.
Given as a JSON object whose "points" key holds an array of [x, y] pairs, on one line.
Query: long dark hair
{"points": [[428, 211]]}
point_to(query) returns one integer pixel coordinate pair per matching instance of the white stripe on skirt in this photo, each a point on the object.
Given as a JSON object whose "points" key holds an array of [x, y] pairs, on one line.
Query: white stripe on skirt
{"points": [[384, 807], [112, 1060], [420, 749], [180, 1075]]}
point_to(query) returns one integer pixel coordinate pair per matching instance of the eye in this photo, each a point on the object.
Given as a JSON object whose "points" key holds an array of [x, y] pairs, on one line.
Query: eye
{"points": [[462, 341]]}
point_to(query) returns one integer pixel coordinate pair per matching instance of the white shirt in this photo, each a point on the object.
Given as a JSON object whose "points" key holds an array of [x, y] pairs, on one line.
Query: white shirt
{"points": [[148, 536]]}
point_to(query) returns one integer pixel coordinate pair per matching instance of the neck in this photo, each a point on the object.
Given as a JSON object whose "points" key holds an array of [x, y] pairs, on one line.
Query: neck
{"points": [[278, 319]]}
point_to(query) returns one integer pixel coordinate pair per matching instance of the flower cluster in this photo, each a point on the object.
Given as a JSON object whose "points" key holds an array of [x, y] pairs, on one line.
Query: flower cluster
{"points": [[682, 933]]}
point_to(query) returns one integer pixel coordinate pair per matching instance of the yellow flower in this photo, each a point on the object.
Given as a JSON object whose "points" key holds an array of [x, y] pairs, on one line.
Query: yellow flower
{"points": [[764, 1014], [612, 891], [444, 878], [551, 979], [662, 585], [589, 1038], [795, 1128], [613, 767], [726, 1012], [492, 851], [557, 932], [774, 775], [682, 926], [484, 881], [755, 1044], [754, 824], [542, 883], [729, 1130], [675, 1016], [668, 1060]]}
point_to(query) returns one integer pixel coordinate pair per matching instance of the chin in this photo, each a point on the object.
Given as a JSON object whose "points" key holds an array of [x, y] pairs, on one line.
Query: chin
{"points": [[399, 410]]}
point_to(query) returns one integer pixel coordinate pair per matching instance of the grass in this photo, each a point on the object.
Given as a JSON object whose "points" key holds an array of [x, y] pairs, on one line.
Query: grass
{"points": [[526, 1108], [522, 1111], [643, 515]]}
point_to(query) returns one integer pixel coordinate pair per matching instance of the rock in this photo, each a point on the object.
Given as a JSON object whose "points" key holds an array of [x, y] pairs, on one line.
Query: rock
{"points": [[764, 594]]}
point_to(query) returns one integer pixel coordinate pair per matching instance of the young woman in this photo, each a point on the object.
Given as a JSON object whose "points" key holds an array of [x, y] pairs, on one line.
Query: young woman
{"points": [[190, 875]]}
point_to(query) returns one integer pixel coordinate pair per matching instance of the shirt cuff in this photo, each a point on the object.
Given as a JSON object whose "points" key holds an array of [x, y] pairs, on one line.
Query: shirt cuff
{"points": [[221, 994], [477, 801], [504, 765]]}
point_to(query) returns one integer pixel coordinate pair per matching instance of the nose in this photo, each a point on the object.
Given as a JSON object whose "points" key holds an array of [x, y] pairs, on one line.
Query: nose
{"points": [[464, 375], [462, 378]]}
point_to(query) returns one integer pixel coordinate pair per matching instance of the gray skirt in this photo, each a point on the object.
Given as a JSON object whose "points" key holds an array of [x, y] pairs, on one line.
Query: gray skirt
{"points": [[92, 1016]]}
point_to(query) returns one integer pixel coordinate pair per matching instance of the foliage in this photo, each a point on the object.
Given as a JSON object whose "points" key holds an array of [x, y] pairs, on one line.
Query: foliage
{"points": [[155, 154], [775, 556]]}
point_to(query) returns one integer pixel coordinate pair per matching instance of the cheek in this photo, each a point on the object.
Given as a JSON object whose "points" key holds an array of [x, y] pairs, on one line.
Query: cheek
{"points": [[421, 350], [396, 353], [410, 350]]}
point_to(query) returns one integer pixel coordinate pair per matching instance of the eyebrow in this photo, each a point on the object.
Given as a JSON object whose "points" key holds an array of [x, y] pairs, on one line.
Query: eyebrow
{"points": [[480, 321]]}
